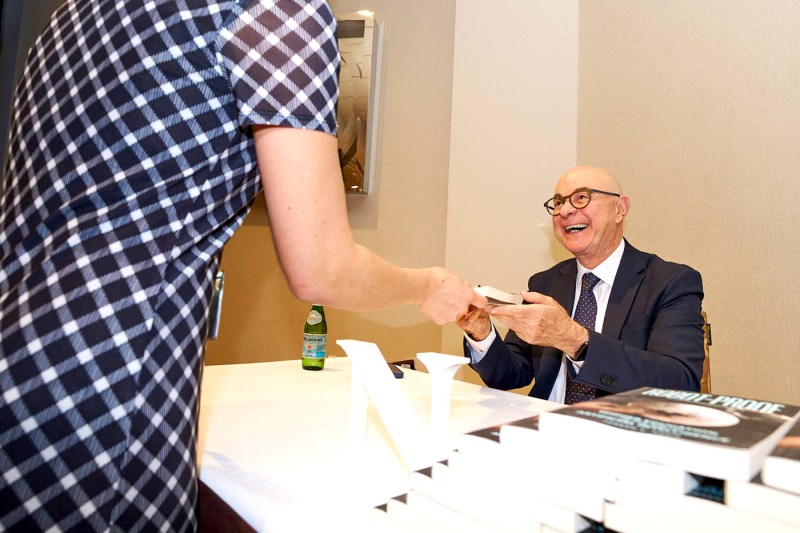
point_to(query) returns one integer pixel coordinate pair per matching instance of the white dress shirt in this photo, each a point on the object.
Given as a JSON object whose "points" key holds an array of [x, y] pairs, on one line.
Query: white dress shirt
{"points": [[606, 271]]}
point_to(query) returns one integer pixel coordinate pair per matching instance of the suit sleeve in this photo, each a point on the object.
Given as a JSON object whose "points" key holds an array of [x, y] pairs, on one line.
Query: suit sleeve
{"points": [[661, 344], [508, 364]]}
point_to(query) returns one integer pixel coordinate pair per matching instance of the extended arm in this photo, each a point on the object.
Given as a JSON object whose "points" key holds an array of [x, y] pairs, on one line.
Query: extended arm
{"points": [[305, 197]]}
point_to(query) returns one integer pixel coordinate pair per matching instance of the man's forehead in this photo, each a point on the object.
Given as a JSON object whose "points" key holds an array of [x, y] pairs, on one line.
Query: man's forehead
{"points": [[581, 178], [567, 186]]}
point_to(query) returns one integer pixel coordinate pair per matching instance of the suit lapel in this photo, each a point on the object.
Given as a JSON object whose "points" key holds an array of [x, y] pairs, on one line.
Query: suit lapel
{"points": [[626, 284], [563, 290]]}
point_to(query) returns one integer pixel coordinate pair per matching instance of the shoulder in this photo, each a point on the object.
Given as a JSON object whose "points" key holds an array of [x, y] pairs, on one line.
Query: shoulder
{"points": [[564, 270], [656, 268]]}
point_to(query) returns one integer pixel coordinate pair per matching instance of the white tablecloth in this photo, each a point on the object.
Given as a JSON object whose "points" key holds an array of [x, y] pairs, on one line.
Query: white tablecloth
{"points": [[273, 441]]}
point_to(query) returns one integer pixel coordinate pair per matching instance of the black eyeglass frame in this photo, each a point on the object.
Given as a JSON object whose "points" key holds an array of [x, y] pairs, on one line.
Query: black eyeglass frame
{"points": [[552, 210]]}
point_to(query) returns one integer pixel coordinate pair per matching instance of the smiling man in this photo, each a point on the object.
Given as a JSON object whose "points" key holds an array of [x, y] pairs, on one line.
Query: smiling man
{"points": [[634, 319]]}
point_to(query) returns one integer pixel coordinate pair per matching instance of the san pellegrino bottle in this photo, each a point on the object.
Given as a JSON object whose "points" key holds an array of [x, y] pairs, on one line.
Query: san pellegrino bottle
{"points": [[315, 338]]}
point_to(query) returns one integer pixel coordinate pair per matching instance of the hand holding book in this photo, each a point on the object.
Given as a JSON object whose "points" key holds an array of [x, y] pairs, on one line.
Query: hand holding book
{"points": [[476, 323], [543, 323]]}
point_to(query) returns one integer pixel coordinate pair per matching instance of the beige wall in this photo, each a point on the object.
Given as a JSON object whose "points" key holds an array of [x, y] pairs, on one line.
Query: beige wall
{"points": [[692, 103], [403, 218], [514, 128]]}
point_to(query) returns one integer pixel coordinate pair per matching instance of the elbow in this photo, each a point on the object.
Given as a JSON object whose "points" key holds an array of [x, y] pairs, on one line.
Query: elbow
{"points": [[322, 278], [312, 288], [306, 291]]}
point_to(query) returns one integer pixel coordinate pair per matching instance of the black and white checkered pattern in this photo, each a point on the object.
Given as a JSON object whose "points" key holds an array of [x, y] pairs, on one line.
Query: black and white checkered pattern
{"points": [[131, 164]]}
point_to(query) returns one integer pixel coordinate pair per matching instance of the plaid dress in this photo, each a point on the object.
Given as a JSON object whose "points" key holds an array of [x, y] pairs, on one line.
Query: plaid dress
{"points": [[131, 164]]}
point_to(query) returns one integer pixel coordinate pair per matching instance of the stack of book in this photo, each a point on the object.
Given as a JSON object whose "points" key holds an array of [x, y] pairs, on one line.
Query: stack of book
{"points": [[647, 460]]}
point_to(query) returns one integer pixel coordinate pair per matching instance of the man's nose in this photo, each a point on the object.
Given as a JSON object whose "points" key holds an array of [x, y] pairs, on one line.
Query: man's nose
{"points": [[566, 209]]}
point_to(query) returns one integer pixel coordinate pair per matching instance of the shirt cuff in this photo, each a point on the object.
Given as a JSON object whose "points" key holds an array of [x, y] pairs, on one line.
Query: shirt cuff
{"points": [[478, 349], [576, 365]]}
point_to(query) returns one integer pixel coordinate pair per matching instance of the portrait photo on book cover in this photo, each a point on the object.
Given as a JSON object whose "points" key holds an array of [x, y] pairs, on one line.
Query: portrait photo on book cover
{"points": [[791, 443], [730, 424], [670, 412]]}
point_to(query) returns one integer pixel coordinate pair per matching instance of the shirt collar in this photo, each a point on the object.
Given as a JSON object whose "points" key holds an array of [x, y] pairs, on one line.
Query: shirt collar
{"points": [[607, 270]]}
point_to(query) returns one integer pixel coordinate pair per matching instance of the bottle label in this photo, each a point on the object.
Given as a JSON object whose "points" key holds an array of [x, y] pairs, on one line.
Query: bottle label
{"points": [[314, 345], [314, 317]]}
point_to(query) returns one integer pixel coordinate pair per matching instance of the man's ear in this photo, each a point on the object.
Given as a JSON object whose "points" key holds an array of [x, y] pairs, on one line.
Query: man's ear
{"points": [[623, 205]]}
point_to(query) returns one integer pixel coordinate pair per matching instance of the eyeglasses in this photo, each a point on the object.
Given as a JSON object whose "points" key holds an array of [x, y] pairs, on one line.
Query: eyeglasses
{"points": [[579, 198]]}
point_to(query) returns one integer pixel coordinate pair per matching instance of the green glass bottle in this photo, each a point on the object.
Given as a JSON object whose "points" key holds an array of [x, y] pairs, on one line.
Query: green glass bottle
{"points": [[315, 338]]}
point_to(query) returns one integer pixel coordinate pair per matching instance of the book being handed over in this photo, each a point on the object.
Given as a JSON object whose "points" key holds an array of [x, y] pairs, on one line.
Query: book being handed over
{"points": [[498, 297], [712, 435]]}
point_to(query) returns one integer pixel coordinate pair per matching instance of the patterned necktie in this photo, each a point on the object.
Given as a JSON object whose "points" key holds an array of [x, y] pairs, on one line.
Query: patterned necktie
{"points": [[585, 315]]}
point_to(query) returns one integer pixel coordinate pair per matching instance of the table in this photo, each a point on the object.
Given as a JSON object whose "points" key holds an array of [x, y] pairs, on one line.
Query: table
{"points": [[273, 442]]}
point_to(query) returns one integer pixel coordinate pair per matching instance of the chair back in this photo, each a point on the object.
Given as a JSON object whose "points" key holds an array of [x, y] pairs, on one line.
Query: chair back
{"points": [[705, 380]]}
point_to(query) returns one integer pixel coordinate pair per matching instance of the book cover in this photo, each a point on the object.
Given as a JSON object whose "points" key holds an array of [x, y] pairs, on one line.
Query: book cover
{"points": [[782, 465], [717, 436], [498, 297]]}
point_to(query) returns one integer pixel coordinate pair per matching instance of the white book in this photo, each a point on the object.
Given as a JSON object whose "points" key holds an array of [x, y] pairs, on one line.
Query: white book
{"points": [[711, 435], [503, 480], [562, 519], [502, 506], [651, 479], [547, 529], [522, 435], [383, 522], [401, 512], [484, 442], [499, 470], [782, 466], [438, 512], [577, 480], [483, 460], [575, 483], [498, 297], [756, 497], [481, 451], [686, 514], [582, 490]]}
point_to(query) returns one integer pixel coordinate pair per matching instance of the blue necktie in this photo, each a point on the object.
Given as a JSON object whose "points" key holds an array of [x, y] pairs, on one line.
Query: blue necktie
{"points": [[585, 315]]}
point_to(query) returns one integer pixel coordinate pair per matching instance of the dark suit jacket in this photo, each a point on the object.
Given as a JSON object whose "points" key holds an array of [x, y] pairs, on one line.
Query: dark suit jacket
{"points": [[652, 332]]}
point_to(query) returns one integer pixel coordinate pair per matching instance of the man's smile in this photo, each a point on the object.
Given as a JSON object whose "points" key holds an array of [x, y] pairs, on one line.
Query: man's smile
{"points": [[575, 228]]}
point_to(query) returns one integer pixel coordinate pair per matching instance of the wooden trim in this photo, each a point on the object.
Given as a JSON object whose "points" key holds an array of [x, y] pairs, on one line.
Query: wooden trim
{"points": [[215, 516], [705, 380]]}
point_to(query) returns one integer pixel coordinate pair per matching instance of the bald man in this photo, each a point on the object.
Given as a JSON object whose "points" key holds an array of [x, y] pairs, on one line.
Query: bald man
{"points": [[638, 324]]}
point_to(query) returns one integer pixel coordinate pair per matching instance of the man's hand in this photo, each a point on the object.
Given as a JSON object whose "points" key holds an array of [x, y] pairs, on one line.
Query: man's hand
{"points": [[448, 297], [475, 323], [543, 323]]}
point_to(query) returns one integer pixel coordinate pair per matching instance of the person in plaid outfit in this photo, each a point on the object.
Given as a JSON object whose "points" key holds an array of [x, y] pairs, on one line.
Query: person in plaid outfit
{"points": [[142, 132]]}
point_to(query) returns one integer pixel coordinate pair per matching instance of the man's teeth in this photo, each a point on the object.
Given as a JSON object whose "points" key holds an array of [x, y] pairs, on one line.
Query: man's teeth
{"points": [[576, 228]]}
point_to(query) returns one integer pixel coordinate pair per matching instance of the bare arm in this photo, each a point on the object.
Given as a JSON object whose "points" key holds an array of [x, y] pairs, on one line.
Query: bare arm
{"points": [[305, 197]]}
